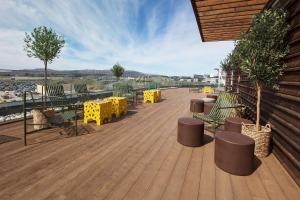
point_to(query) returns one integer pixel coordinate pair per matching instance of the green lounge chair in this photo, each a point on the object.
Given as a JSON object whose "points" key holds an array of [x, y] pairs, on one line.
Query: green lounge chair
{"points": [[224, 107]]}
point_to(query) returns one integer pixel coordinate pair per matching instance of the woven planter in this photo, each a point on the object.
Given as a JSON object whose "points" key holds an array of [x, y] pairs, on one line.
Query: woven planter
{"points": [[261, 138], [39, 119]]}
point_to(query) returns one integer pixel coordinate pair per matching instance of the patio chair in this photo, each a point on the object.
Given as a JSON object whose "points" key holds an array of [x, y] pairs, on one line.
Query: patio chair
{"points": [[59, 112], [152, 86], [82, 92], [224, 107], [124, 90]]}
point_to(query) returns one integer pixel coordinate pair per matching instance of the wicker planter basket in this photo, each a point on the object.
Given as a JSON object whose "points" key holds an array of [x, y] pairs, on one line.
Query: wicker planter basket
{"points": [[261, 138]]}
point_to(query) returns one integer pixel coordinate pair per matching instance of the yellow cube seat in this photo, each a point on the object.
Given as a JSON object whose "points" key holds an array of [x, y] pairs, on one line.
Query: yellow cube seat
{"points": [[98, 110]]}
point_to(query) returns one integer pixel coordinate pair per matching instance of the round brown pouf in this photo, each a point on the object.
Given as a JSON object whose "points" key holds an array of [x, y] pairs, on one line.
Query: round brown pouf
{"points": [[234, 124], [213, 96], [207, 107], [197, 105], [208, 100], [190, 132], [234, 153]]}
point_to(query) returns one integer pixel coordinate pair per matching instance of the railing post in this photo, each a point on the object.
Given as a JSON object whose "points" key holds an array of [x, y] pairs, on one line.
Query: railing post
{"points": [[76, 131], [24, 118]]}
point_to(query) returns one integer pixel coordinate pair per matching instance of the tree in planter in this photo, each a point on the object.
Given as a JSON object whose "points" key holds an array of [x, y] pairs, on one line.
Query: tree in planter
{"points": [[225, 66], [43, 43], [235, 60], [117, 70], [263, 49]]}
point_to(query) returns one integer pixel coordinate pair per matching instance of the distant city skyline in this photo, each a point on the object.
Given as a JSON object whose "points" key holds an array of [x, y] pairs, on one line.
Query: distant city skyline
{"points": [[155, 37]]}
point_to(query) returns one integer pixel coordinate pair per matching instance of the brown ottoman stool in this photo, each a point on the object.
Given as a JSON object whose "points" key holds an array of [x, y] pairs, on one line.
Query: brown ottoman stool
{"points": [[213, 96], [190, 132], [196, 105], [234, 124], [234, 153], [208, 105]]}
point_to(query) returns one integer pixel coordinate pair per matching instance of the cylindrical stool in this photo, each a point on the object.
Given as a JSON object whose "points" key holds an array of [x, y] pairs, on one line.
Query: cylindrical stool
{"points": [[196, 105], [209, 100], [234, 124], [213, 96], [234, 153], [208, 107], [190, 132]]}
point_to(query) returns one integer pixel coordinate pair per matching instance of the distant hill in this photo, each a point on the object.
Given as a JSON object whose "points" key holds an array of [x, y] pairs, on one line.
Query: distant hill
{"points": [[51, 72]]}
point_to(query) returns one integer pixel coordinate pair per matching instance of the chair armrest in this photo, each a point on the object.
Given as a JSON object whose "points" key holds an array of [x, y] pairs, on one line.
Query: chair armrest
{"points": [[234, 106]]}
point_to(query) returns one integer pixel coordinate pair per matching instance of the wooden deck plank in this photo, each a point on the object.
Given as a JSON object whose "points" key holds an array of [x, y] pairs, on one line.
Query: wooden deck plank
{"points": [[223, 185], [176, 181], [191, 184], [240, 188], [287, 185], [136, 157], [94, 163], [271, 186], [161, 179], [207, 189], [137, 182]]}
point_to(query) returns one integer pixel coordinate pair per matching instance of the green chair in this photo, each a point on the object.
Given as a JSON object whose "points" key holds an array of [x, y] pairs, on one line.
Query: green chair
{"points": [[152, 86], [224, 107], [58, 111], [124, 90], [82, 92]]}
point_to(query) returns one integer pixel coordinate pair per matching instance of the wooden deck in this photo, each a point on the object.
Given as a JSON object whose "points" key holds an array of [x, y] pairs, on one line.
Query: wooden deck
{"points": [[137, 157]]}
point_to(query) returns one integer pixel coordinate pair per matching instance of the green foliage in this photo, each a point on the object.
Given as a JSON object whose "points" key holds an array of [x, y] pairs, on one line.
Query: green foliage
{"points": [[233, 59], [43, 43], [263, 48], [117, 70], [225, 64]]}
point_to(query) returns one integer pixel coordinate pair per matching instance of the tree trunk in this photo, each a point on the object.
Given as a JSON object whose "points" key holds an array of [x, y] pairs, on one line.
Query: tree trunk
{"points": [[258, 94], [45, 82], [238, 82], [228, 80]]}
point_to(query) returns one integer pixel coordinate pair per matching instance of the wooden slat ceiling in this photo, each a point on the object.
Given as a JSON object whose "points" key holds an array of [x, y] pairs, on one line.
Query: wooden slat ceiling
{"points": [[225, 19]]}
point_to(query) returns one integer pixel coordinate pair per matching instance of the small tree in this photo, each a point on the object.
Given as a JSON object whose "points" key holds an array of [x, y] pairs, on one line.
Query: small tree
{"points": [[117, 70], [43, 43], [235, 60], [263, 49], [226, 67]]}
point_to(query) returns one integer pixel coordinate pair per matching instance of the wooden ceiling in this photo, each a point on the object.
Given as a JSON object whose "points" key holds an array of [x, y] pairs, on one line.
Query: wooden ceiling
{"points": [[225, 19]]}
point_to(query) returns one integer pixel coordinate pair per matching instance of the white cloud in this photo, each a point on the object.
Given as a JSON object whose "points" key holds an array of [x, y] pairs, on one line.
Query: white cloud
{"points": [[99, 34]]}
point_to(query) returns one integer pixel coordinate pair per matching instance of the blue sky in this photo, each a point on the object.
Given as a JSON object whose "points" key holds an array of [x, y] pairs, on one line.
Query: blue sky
{"points": [[151, 36]]}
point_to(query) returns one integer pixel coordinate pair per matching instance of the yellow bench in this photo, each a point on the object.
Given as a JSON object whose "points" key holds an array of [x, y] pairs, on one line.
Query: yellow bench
{"points": [[208, 90], [98, 110], [152, 96], [119, 105]]}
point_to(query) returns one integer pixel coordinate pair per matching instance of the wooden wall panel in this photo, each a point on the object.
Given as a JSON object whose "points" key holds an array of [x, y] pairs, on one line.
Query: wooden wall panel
{"points": [[282, 108]]}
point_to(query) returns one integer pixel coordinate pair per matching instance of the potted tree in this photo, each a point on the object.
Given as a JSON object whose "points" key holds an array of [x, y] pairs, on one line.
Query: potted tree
{"points": [[226, 67], [235, 61], [43, 43], [263, 49]]}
